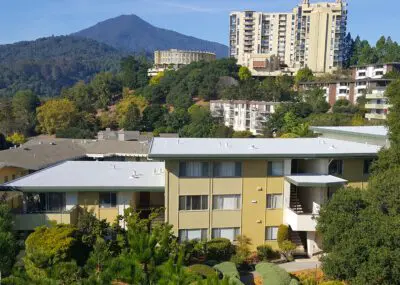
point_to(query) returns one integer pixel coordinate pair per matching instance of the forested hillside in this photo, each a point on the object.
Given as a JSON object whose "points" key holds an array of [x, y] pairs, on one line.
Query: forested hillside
{"points": [[133, 34], [47, 65]]}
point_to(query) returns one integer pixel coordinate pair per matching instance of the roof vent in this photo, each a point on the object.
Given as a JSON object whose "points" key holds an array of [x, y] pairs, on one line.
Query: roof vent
{"points": [[252, 147], [332, 147], [52, 143], [134, 175]]}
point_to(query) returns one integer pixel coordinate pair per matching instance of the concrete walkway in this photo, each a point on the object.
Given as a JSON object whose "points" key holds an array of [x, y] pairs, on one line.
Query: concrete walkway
{"points": [[300, 264]]}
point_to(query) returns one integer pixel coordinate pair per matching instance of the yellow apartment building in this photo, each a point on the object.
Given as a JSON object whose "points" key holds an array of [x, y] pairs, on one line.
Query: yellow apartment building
{"points": [[58, 193], [226, 187]]}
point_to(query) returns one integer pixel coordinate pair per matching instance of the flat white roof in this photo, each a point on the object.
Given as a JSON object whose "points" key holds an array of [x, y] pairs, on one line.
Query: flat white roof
{"points": [[258, 148], [95, 175], [380, 131], [314, 180]]}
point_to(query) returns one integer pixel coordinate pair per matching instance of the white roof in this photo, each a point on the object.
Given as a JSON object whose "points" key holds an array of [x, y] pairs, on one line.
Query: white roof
{"points": [[314, 180], [96, 175], [359, 130], [258, 148]]}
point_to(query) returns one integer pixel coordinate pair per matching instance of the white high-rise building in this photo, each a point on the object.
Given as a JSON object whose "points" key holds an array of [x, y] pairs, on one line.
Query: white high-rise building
{"points": [[311, 35]]}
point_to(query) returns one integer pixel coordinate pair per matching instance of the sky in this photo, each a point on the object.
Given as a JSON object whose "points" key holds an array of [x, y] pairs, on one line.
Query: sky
{"points": [[205, 19]]}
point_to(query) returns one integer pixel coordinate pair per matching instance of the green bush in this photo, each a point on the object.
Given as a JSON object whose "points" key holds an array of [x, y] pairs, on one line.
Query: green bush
{"points": [[265, 252], [283, 234], [204, 271], [273, 274], [294, 282], [227, 269], [332, 283], [219, 249]]}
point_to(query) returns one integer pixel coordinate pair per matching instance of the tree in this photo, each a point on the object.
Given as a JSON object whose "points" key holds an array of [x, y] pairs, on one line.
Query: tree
{"points": [[16, 139], [134, 71], [54, 115], [106, 89], [317, 100], [131, 121], [156, 79], [8, 243], [244, 73], [153, 117], [243, 134], [201, 123], [344, 106], [304, 75], [81, 95], [24, 104], [177, 120]]}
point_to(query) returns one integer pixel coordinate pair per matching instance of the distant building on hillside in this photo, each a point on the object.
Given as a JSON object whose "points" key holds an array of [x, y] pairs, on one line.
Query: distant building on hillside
{"points": [[243, 115], [175, 59], [365, 81], [312, 35]]}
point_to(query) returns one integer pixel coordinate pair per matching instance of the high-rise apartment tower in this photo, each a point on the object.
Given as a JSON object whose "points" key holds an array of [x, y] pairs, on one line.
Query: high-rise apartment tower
{"points": [[311, 35]]}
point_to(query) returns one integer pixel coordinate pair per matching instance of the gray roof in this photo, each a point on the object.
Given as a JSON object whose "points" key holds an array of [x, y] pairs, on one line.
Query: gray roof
{"points": [[258, 148], [309, 180], [375, 131], [96, 175], [43, 151]]}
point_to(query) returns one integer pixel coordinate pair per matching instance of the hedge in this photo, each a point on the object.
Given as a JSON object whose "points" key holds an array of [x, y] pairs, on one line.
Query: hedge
{"points": [[204, 270], [228, 269], [273, 274], [219, 249]]}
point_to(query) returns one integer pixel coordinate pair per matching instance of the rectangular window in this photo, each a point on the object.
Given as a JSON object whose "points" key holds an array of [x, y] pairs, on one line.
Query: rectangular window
{"points": [[336, 167], [193, 169], [275, 168], [45, 202], [274, 201], [271, 233], [108, 200], [229, 233], [5, 179], [198, 234], [367, 166], [226, 202], [193, 203], [227, 169]]}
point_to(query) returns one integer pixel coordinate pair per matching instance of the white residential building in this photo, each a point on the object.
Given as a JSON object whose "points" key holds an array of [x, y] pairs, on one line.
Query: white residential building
{"points": [[243, 115], [311, 35]]}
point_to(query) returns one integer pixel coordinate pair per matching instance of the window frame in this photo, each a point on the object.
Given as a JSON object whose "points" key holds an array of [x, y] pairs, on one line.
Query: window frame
{"points": [[237, 165], [236, 232], [104, 206], [183, 201], [203, 234], [204, 165], [340, 167], [238, 203], [369, 162], [281, 201], [43, 204], [272, 233], [269, 168]]}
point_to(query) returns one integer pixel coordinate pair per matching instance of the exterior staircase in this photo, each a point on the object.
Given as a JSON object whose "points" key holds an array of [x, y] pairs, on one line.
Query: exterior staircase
{"points": [[299, 241], [295, 204]]}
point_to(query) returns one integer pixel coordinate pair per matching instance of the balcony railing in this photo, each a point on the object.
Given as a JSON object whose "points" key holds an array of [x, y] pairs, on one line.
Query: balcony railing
{"points": [[377, 106], [300, 222], [375, 116]]}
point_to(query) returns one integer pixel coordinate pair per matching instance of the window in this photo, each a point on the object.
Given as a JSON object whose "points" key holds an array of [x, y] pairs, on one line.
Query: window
{"points": [[193, 203], [275, 168], [229, 233], [274, 201], [108, 200], [199, 234], [5, 179], [336, 167], [13, 177], [226, 202], [45, 202], [271, 233], [193, 169], [367, 166], [227, 169]]}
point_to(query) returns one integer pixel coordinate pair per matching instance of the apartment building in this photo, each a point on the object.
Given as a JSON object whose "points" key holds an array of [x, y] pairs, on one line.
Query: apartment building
{"points": [[243, 115], [59, 193], [175, 59], [225, 187], [366, 81], [311, 35]]}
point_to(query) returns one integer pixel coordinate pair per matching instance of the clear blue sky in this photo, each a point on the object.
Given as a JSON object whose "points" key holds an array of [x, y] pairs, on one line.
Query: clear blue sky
{"points": [[206, 19]]}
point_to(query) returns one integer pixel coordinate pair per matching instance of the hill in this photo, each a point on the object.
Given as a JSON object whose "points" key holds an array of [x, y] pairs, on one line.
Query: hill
{"points": [[131, 33], [48, 64]]}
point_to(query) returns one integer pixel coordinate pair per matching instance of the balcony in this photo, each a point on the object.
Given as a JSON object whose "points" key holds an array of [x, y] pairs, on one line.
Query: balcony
{"points": [[28, 222], [300, 222], [377, 106], [376, 94], [373, 116]]}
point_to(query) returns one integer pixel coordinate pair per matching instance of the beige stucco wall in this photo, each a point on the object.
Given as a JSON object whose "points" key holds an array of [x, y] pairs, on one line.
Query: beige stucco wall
{"points": [[353, 172], [9, 172]]}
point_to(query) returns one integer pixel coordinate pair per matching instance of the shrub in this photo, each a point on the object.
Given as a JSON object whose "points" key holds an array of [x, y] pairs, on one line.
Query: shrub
{"points": [[332, 283], [287, 248], [283, 234], [265, 252], [273, 274], [228, 269], [204, 271], [219, 249], [242, 250], [294, 282], [194, 250]]}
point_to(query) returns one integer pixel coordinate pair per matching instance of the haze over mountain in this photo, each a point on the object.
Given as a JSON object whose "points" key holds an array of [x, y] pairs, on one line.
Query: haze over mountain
{"points": [[47, 65], [131, 33]]}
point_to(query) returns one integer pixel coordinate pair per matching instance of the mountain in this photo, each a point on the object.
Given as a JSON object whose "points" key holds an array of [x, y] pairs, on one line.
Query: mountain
{"points": [[131, 33], [48, 64]]}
